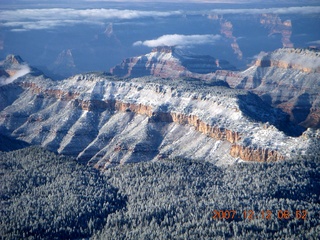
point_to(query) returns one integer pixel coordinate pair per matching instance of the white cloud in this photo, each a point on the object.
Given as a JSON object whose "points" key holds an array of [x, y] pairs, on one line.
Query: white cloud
{"points": [[287, 10], [314, 42], [179, 40], [29, 19], [48, 18], [23, 70], [41, 24]]}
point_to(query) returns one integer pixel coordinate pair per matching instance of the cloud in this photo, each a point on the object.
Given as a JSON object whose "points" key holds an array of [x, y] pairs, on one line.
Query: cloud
{"points": [[23, 70], [314, 42], [287, 10], [32, 19], [41, 24], [47, 18], [179, 40]]}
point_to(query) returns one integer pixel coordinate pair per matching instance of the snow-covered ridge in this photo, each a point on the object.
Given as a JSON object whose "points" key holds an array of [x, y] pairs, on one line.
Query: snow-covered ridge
{"points": [[220, 113], [305, 60]]}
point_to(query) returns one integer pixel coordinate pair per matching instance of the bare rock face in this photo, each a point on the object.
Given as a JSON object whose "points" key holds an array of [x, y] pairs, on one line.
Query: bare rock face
{"points": [[168, 62], [104, 121], [287, 79], [256, 155]]}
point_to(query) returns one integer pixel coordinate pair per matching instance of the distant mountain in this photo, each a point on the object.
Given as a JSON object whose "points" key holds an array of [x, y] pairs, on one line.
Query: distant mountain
{"points": [[63, 66], [169, 62]]}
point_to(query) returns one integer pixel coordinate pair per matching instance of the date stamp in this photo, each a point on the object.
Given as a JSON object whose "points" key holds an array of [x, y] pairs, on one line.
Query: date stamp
{"points": [[263, 214]]}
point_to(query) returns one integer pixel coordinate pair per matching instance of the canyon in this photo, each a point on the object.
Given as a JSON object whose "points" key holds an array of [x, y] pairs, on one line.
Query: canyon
{"points": [[105, 121]]}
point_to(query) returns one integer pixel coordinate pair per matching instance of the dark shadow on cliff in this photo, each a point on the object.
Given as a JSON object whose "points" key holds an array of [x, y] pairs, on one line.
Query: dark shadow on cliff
{"points": [[302, 107], [253, 107], [8, 94]]}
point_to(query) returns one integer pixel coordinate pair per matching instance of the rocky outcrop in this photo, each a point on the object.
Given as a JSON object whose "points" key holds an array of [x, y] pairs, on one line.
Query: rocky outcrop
{"points": [[226, 29], [212, 131], [10, 66], [276, 25], [168, 62], [287, 79]]}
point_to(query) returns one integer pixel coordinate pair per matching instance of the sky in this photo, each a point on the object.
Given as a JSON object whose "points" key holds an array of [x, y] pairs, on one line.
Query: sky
{"points": [[46, 18], [40, 30]]}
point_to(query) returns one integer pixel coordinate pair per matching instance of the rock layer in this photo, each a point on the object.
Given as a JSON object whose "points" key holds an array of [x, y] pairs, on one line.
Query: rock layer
{"points": [[255, 154]]}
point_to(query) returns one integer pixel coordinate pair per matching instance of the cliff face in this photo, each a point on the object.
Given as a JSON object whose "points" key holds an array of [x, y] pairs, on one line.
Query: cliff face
{"points": [[167, 62], [105, 122], [256, 155]]}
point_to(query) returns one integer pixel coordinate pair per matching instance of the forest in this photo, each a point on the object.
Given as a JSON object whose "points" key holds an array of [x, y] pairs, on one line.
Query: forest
{"points": [[47, 196]]}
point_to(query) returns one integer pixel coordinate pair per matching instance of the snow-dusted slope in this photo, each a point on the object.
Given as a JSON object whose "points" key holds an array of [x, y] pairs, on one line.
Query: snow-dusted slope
{"points": [[105, 121]]}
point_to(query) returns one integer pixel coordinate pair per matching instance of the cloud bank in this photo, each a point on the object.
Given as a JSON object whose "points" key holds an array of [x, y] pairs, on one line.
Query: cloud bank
{"points": [[35, 19], [287, 10], [179, 40]]}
